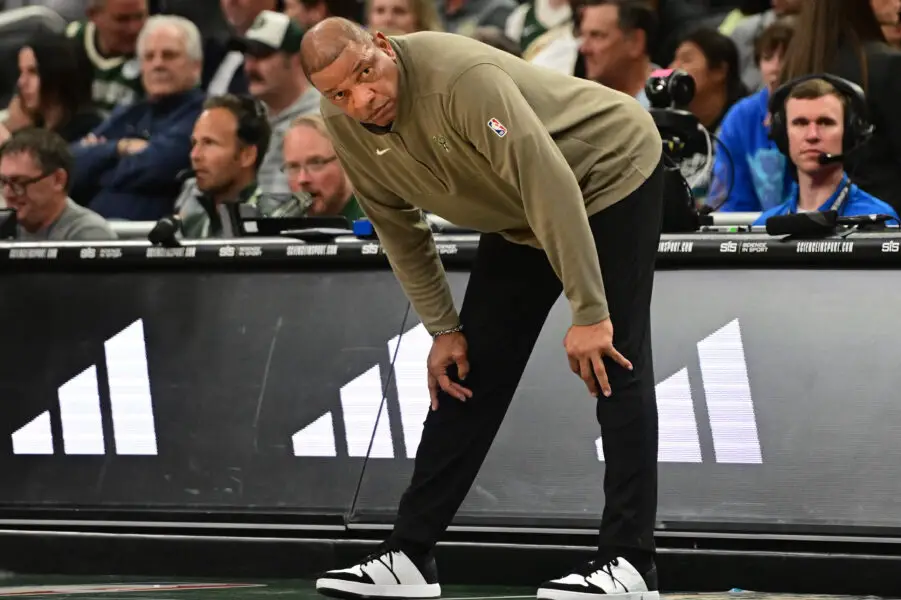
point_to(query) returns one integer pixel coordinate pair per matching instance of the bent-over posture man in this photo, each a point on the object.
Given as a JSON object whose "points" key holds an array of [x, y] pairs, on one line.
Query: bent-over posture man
{"points": [[564, 178]]}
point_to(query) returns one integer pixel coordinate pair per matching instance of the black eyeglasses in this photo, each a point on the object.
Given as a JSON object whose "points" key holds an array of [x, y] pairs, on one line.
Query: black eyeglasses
{"points": [[19, 187]]}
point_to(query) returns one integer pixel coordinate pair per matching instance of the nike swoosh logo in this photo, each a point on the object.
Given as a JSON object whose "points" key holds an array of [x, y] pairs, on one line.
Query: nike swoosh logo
{"points": [[382, 151]]}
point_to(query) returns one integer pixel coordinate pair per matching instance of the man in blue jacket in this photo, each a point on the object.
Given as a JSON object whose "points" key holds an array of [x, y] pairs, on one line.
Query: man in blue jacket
{"points": [[822, 118], [128, 167]]}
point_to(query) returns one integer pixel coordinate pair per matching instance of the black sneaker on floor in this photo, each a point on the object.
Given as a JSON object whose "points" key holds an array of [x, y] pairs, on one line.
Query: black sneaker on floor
{"points": [[386, 573], [615, 580]]}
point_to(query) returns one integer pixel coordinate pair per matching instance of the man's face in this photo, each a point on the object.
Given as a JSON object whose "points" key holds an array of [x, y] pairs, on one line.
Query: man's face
{"points": [[814, 127], [604, 44], [34, 194], [268, 72], [312, 167], [392, 16], [241, 14], [217, 155], [771, 66], [166, 68], [362, 82], [886, 11], [118, 24]]}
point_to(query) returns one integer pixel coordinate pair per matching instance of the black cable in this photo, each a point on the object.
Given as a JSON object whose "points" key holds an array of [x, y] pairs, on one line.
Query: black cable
{"points": [[378, 416], [725, 198]]}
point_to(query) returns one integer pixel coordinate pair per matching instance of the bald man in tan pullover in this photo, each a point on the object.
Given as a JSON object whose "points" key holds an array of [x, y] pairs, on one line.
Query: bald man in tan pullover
{"points": [[564, 179]]}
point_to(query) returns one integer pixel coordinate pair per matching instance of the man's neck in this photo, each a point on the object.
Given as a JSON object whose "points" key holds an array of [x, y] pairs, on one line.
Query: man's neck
{"points": [[709, 108], [815, 188], [632, 79], [51, 217], [232, 194], [278, 103]]}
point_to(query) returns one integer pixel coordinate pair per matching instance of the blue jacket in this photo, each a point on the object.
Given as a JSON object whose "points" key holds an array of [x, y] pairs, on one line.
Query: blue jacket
{"points": [[857, 203], [143, 186], [761, 179]]}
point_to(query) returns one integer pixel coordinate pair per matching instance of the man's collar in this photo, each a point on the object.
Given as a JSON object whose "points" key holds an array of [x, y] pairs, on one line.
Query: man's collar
{"points": [[173, 101], [840, 189], [248, 194]]}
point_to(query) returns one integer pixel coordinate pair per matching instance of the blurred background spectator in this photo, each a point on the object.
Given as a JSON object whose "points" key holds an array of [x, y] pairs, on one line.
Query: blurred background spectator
{"points": [[395, 17], [271, 50], [749, 168], [35, 165], [314, 172], [128, 167], [228, 144], [53, 90], [748, 30], [109, 37]]}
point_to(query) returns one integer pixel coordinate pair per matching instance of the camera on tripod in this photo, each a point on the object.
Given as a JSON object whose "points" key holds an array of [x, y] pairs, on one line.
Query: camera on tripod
{"points": [[670, 91]]}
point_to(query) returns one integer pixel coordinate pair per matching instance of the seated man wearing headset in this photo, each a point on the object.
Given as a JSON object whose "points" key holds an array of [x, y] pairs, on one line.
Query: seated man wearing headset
{"points": [[816, 120]]}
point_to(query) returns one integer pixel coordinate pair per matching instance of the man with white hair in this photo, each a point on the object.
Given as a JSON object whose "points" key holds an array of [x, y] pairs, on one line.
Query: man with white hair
{"points": [[128, 167]]}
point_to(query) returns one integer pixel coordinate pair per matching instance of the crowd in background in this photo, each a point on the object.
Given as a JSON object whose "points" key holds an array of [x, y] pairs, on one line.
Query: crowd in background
{"points": [[151, 108]]}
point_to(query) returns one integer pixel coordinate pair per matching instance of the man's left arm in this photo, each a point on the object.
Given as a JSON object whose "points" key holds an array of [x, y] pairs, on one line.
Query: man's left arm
{"points": [[157, 164], [527, 158]]}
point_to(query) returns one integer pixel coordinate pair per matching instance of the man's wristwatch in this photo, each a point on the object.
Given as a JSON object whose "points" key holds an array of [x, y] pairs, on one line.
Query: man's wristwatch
{"points": [[457, 329]]}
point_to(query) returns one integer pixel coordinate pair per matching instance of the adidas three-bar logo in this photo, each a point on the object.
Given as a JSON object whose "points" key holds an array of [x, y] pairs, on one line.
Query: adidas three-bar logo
{"points": [[134, 432], [727, 395]]}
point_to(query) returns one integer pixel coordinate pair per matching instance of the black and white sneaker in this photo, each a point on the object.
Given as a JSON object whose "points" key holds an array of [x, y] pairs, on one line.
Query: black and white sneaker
{"points": [[615, 580], [385, 574]]}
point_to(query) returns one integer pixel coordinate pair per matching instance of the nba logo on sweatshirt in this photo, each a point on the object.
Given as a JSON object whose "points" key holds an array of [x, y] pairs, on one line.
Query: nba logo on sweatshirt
{"points": [[497, 127]]}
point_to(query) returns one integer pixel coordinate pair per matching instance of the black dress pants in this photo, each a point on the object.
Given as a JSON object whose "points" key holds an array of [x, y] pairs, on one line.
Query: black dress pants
{"points": [[511, 290]]}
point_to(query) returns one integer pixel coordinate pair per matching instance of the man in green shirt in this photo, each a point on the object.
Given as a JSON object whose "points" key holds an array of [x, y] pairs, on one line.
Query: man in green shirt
{"points": [[229, 141], [564, 179]]}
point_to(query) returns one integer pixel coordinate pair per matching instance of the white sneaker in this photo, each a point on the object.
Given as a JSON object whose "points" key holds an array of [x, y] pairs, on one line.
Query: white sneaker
{"points": [[615, 580], [385, 574]]}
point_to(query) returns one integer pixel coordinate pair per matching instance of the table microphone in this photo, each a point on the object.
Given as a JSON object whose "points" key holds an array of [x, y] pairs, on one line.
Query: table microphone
{"points": [[163, 233], [806, 223]]}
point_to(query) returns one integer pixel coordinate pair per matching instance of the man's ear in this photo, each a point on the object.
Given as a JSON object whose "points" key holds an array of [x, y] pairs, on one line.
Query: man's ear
{"points": [[249, 156], [60, 178], [382, 43]]}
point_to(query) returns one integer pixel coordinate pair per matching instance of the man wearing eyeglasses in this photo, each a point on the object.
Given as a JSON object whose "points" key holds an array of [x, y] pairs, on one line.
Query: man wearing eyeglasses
{"points": [[35, 167], [314, 173]]}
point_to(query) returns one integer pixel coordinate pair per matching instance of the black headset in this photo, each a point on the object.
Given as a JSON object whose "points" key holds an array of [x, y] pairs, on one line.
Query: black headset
{"points": [[254, 117], [858, 128]]}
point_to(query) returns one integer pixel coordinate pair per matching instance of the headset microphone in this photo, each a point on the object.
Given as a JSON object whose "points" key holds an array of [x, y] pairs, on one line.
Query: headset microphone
{"points": [[828, 159]]}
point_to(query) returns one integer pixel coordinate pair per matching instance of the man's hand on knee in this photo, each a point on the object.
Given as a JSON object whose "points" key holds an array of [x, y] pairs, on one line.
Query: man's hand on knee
{"points": [[448, 349], [586, 346]]}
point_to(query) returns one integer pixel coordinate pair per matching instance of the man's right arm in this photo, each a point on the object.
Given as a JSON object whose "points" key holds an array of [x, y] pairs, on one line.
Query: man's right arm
{"points": [[408, 243]]}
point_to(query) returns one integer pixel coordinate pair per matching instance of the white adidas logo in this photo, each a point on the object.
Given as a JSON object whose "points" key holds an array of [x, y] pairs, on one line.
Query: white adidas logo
{"points": [[727, 393], [80, 412]]}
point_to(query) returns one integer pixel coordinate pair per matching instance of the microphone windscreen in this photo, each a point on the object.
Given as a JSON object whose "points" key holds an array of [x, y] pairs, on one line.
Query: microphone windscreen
{"points": [[807, 223]]}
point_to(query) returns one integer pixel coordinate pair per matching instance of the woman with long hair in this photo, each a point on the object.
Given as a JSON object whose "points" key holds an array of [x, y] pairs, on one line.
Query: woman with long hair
{"points": [[53, 90], [845, 38]]}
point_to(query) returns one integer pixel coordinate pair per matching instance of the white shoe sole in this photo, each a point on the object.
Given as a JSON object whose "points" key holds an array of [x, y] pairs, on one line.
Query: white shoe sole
{"points": [[552, 594], [344, 589]]}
